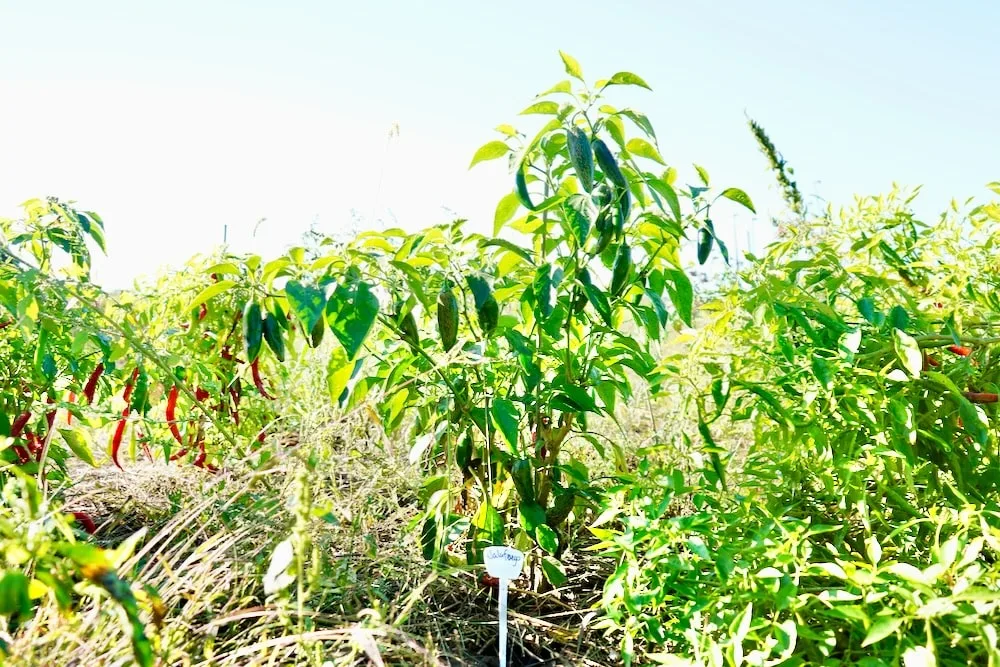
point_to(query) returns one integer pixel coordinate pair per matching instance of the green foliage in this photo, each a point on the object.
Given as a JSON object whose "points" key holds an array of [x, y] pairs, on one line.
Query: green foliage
{"points": [[861, 526]]}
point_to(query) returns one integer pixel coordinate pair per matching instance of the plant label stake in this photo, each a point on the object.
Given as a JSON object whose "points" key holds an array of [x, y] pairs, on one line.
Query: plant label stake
{"points": [[505, 564]]}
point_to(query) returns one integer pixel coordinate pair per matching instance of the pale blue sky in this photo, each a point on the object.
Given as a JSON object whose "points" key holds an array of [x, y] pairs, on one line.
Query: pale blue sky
{"points": [[172, 119]]}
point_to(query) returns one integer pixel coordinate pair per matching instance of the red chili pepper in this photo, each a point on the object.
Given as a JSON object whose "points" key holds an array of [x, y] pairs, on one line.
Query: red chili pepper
{"points": [[50, 416], [201, 394], [227, 354], [179, 454], [22, 454], [127, 394], [202, 312], [19, 424], [34, 445], [931, 362], [199, 462], [486, 581], [261, 436], [91, 386], [960, 350], [171, 414], [85, 522], [116, 441], [981, 397], [69, 414], [255, 368]]}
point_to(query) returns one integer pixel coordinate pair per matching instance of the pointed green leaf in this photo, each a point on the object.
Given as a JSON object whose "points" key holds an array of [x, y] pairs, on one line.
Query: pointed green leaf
{"points": [[547, 538], [79, 444], [545, 107], [572, 66], [506, 418], [738, 196], [643, 148], [908, 352], [307, 302], [206, 294], [553, 571], [627, 79], [681, 294], [489, 151], [506, 209], [880, 629]]}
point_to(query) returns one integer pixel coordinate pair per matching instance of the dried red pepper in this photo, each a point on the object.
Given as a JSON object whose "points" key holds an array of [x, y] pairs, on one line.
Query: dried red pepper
{"points": [[171, 414], [257, 381], [91, 386]]}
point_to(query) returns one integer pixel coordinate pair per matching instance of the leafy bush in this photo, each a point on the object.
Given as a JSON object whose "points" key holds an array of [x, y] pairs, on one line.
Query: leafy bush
{"points": [[862, 526]]}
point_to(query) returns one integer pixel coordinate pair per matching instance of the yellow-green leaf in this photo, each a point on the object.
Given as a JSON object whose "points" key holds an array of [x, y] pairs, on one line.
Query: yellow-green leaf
{"points": [[489, 151]]}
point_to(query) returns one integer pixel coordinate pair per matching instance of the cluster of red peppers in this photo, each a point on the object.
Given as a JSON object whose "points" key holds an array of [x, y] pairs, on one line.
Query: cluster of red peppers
{"points": [[973, 396]]}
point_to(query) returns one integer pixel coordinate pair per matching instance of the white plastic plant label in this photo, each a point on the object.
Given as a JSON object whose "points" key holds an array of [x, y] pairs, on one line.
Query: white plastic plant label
{"points": [[505, 564]]}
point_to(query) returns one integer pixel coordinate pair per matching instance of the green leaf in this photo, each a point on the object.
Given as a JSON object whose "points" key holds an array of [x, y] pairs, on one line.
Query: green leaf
{"points": [[866, 307], [506, 209], [351, 313], [600, 302], [489, 521], [578, 397], [79, 444], [14, 598], [547, 279], [738, 196], [506, 418], [553, 571], [577, 209], [572, 66], [702, 174], [908, 352], [545, 107], [561, 87], [821, 369], [547, 538], [880, 629], [627, 79], [662, 188], [489, 151], [307, 302], [530, 516], [972, 421], [681, 294], [643, 148], [510, 247], [206, 294]]}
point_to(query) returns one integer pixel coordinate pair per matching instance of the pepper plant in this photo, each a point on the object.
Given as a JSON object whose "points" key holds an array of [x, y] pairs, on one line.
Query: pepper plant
{"points": [[501, 347]]}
